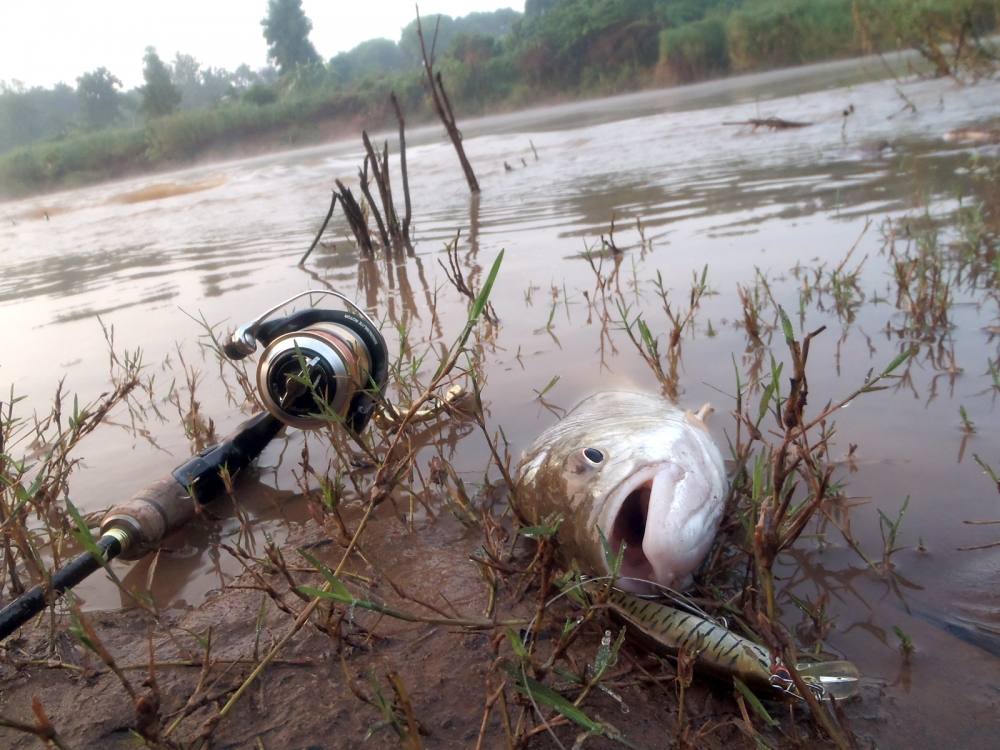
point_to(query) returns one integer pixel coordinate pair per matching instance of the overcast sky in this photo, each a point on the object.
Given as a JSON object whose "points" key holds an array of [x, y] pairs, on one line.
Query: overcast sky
{"points": [[43, 42]]}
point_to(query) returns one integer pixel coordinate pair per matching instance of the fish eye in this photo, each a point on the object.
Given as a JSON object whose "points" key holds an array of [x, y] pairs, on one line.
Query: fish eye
{"points": [[593, 455]]}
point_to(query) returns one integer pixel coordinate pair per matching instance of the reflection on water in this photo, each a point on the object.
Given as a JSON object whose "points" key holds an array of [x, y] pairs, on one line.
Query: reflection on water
{"points": [[763, 210]]}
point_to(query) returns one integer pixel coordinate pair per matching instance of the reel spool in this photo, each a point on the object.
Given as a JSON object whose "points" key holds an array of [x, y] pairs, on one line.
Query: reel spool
{"points": [[317, 365]]}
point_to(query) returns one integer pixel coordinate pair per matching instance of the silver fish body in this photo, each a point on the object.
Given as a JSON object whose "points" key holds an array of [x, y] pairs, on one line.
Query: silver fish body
{"points": [[636, 468]]}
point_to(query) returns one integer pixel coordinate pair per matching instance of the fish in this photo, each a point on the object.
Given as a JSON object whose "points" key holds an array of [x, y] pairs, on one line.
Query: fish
{"points": [[633, 469], [718, 650]]}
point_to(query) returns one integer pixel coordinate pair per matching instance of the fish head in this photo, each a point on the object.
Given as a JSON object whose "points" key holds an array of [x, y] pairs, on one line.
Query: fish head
{"points": [[639, 471]]}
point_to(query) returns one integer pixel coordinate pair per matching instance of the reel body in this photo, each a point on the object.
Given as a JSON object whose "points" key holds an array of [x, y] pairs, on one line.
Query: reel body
{"points": [[318, 366]]}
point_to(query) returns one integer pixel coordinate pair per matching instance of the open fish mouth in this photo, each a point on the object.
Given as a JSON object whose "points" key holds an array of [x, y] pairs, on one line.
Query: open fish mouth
{"points": [[652, 514]]}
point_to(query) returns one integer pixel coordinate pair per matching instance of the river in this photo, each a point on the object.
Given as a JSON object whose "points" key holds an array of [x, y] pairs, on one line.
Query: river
{"points": [[222, 240]]}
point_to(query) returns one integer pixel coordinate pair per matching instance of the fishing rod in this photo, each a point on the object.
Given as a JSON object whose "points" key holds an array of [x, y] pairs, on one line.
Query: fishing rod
{"points": [[318, 366], [138, 525]]}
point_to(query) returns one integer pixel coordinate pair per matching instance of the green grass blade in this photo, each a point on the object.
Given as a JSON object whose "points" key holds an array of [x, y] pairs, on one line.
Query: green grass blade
{"points": [[754, 701], [900, 359], [484, 294], [546, 696], [83, 534], [336, 586], [786, 326]]}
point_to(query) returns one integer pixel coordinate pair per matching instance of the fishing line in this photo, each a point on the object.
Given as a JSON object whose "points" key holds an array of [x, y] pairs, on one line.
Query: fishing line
{"points": [[681, 598], [832, 679]]}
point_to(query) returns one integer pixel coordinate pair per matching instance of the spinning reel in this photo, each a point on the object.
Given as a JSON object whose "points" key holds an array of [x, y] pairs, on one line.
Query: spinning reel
{"points": [[317, 365]]}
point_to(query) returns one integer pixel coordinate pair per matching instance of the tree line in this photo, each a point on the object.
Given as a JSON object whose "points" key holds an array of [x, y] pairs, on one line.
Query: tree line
{"points": [[28, 115], [503, 58]]}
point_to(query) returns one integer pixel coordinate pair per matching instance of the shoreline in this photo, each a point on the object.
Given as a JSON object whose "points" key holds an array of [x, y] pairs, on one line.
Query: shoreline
{"points": [[338, 128]]}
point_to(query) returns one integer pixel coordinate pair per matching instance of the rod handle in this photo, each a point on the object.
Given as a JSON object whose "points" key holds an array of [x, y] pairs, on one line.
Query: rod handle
{"points": [[150, 515]]}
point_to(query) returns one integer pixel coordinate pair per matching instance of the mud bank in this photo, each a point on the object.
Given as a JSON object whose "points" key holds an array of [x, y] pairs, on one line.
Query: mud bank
{"points": [[309, 697]]}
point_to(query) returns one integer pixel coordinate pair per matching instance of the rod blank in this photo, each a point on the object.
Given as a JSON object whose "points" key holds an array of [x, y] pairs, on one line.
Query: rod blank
{"points": [[33, 601]]}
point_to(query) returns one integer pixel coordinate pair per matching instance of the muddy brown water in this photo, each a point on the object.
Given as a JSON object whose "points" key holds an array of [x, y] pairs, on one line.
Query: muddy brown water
{"points": [[222, 241]]}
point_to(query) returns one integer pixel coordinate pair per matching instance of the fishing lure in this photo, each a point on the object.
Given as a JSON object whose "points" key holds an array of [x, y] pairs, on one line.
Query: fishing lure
{"points": [[718, 649]]}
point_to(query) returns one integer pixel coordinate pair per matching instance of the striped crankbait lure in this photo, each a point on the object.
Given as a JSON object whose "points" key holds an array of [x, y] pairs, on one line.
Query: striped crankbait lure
{"points": [[718, 649]]}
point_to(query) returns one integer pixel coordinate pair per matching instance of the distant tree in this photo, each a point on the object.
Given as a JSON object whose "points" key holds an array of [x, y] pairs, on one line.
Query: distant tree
{"points": [[473, 49], [29, 115], [496, 24], [244, 77], [375, 57], [216, 84], [185, 74], [202, 87], [535, 8], [13, 86], [19, 116], [671, 13], [260, 94], [286, 29], [267, 75], [159, 96], [97, 94], [559, 41], [694, 50]]}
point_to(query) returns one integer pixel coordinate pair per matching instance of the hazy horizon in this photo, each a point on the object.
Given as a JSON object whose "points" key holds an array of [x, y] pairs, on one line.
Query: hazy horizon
{"points": [[224, 34]]}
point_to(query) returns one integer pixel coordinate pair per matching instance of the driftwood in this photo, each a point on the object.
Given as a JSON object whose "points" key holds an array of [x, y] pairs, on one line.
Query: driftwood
{"points": [[363, 179], [392, 233], [408, 210], [772, 123], [443, 105], [329, 213], [380, 172], [355, 218]]}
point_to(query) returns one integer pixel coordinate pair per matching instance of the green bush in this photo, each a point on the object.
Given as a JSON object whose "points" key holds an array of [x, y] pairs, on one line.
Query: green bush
{"points": [[930, 26], [82, 157], [20, 170], [774, 33], [260, 94], [695, 50]]}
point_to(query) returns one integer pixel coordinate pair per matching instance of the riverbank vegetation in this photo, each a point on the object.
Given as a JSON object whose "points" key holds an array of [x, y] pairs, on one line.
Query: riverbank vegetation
{"points": [[500, 60]]}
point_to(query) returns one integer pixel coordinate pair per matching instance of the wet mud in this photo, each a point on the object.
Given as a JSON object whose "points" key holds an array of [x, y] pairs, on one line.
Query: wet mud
{"points": [[308, 697]]}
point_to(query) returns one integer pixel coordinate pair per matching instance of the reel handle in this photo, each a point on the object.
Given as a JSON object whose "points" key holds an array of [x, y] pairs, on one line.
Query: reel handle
{"points": [[235, 349]]}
